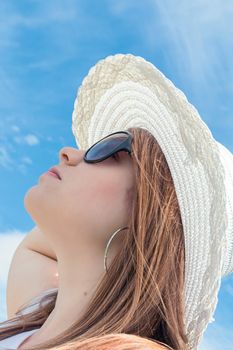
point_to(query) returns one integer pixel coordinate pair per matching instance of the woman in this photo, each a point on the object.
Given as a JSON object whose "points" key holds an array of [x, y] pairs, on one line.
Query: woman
{"points": [[158, 187]]}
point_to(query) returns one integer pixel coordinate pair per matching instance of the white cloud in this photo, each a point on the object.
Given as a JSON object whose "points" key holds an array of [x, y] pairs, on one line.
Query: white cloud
{"points": [[200, 37], [193, 41], [45, 15], [22, 167], [120, 7], [31, 139], [26, 160], [15, 128], [5, 159]]}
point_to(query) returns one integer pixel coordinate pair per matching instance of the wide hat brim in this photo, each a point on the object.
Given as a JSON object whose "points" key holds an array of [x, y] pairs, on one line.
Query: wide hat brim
{"points": [[123, 91]]}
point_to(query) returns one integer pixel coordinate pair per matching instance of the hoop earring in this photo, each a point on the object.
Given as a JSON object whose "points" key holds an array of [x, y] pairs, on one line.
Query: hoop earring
{"points": [[109, 241]]}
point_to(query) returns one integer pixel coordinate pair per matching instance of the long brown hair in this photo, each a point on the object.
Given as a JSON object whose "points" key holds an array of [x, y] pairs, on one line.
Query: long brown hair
{"points": [[115, 341], [143, 292]]}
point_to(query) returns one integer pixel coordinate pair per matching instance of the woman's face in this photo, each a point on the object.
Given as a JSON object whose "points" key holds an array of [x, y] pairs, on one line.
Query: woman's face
{"points": [[89, 203]]}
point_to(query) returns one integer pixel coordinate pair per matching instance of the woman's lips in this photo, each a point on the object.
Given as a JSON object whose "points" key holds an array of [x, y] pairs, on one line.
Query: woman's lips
{"points": [[55, 171], [53, 174]]}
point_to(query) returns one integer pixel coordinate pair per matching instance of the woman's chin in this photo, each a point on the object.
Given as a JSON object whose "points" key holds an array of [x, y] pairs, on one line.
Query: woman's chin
{"points": [[33, 201]]}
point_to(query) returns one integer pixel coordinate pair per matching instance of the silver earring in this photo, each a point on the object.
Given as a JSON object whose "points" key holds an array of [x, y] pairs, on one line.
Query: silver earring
{"points": [[109, 241]]}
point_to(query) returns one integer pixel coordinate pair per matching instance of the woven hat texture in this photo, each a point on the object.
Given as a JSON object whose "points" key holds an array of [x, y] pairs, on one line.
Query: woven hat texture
{"points": [[123, 91]]}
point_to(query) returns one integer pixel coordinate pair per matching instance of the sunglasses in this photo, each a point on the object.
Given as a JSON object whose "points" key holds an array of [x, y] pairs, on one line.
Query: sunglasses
{"points": [[108, 146]]}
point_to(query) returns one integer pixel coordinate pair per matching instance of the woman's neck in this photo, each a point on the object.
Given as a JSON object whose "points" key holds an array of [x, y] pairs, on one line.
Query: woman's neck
{"points": [[77, 282]]}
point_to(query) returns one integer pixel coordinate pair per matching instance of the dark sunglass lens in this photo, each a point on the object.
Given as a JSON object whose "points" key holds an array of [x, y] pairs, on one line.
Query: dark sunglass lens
{"points": [[105, 146]]}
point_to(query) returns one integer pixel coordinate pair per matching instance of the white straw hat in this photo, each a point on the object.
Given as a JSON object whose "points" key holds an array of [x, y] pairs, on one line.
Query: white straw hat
{"points": [[123, 91]]}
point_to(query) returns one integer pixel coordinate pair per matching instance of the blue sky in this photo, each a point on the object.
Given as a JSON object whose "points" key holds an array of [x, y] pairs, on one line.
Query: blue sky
{"points": [[47, 47]]}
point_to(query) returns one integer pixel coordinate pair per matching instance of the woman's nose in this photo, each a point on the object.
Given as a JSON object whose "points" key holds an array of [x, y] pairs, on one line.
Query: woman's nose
{"points": [[70, 155]]}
